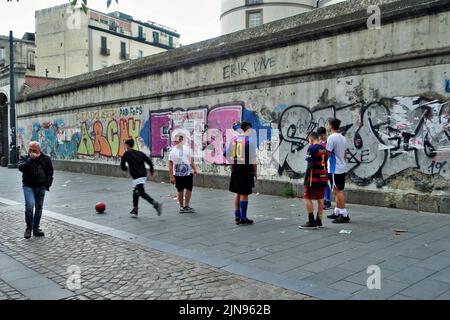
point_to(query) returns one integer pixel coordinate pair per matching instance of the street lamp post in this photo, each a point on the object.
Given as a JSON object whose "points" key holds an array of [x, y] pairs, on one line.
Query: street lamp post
{"points": [[12, 107]]}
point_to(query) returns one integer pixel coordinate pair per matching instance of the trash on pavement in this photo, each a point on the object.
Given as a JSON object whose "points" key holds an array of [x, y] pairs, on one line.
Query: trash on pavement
{"points": [[345, 231]]}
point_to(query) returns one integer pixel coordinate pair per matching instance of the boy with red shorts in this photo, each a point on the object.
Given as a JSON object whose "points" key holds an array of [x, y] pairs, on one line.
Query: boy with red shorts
{"points": [[315, 180]]}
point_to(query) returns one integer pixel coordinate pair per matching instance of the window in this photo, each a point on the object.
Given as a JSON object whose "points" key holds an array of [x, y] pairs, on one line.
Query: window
{"points": [[155, 37], [123, 51], [254, 18], [2, 57], [140, 54], [30, 60], [171, 42], [104, 43], [140, 32], [59, 69], [249, 2], [104, 47]]}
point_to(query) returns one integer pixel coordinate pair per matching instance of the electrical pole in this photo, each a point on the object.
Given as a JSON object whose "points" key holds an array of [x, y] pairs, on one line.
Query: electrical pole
{"points": [[12, 107]]}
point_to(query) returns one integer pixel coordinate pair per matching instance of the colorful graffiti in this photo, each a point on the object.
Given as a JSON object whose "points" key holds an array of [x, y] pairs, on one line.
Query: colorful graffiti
{"points": [[56, 139], [406, 132], [108, 141], [384, 138], [206, 128]]}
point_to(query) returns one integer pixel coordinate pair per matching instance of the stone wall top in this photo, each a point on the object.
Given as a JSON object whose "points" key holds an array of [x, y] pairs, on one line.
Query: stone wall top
{"points": [[341, 18]]}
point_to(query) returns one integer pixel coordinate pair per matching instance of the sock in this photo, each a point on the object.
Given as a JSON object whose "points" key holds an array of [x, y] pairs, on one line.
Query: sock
{"points": [[320, 216], [344, 212], [311, 217], [337, 211], [244, 205], [237, 213]]}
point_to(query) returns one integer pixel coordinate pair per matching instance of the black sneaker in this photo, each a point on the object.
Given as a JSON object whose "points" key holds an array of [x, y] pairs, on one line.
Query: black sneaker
{"points": [[158, 208], [189, 209], [27, 234], [134, 212], [245, 221], [319, 223], [237, 220], [309, 226], [333, 216], [38, 233], [341, 219], [181, 211], [327, 205]]}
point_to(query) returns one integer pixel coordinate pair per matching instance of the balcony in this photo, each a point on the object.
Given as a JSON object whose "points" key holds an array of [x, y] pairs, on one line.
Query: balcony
{"points": [[124, 56], [105, 51], [30, 66], [2, 62]]}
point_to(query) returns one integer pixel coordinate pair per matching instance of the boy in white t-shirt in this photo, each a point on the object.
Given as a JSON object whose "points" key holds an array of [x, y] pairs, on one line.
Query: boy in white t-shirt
{"points": [[337, 168], [182, 170]]}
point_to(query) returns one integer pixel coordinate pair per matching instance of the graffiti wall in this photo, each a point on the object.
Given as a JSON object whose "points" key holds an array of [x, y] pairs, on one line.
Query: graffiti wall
{"points": [[384, 138]]}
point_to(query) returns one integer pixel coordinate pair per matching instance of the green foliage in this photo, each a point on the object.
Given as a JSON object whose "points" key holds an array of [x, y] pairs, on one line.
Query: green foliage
{"points": [[288, 190], [84, 4]]}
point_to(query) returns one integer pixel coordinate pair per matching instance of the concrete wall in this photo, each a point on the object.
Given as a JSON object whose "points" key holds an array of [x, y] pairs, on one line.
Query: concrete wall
{"points": [[388, 87]]}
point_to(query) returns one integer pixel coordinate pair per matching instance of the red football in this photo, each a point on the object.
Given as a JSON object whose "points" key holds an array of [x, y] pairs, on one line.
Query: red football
{"points": [[100, 207]]}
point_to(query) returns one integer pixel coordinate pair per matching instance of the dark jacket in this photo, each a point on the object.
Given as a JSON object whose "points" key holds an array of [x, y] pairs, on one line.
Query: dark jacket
{"points": [[36, 172], [136, 163]]}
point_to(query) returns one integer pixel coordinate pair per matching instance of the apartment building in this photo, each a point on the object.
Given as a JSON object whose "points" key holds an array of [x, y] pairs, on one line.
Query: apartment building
{"points": [[70, 42]]}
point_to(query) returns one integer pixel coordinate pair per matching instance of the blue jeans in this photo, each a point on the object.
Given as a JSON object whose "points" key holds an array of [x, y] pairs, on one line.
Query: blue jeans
{"points": [[34, 199]]}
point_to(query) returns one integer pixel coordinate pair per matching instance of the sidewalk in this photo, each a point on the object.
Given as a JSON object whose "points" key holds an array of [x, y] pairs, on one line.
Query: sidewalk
{"points": [[110, 268], [319, 263]]}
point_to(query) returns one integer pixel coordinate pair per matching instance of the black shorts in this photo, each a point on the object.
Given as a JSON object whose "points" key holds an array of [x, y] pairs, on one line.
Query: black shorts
{"points": [[242, 180], [337, 180], [185, 182]]}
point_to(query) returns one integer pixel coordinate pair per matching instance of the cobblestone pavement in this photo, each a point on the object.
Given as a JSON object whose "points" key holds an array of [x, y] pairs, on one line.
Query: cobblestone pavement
{"points": [[9, 293], [116, 269]]}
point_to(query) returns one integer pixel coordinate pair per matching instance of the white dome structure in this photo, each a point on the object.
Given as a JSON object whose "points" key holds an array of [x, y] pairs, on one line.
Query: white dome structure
{"points": [[237, 15]]}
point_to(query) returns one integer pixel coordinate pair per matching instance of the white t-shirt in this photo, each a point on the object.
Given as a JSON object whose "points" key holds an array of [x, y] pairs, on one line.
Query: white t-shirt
{"points": [[139, 181], [337, 144], [181, 158]]}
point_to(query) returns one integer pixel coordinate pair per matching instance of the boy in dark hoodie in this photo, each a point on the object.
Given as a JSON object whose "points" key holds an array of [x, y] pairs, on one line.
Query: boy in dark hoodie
{"points": [[136, 165]]}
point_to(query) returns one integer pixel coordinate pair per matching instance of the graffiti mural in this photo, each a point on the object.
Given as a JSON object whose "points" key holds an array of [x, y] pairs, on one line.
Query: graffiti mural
{"points": [[383, 138], [207, 129], [108, 141], [57, 140]]}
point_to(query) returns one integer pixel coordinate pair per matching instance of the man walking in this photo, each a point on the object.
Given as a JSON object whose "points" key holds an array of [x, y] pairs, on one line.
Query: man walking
{"points": [[37, 177], [182, 170], [337, 168], [243, 172], [136, 165]]}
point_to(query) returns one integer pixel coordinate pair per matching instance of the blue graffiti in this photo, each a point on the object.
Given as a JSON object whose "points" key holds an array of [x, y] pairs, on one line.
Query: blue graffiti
{"points": [[258, 125], [447, 85], [47, 135], [145, 133]]}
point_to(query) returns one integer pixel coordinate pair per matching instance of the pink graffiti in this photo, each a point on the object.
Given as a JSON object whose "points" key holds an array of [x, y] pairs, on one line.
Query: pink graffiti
{"points": [[220, 120], [160, 126]]}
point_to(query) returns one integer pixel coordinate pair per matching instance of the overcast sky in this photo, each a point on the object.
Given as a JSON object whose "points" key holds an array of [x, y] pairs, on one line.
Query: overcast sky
{"points": [[195, 20]]}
